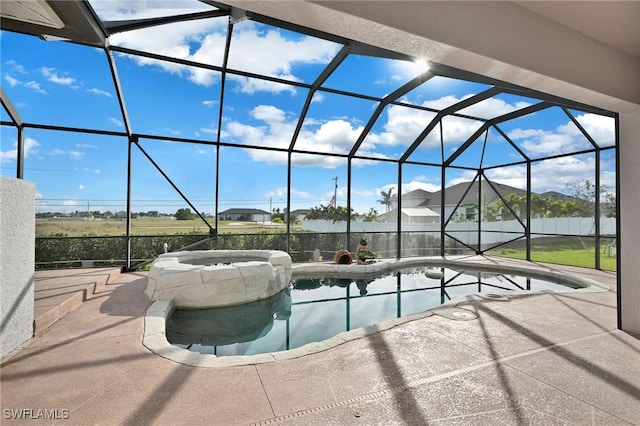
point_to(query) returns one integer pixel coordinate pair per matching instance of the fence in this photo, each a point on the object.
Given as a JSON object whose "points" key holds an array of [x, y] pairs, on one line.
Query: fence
{"points": [[467, 232]]}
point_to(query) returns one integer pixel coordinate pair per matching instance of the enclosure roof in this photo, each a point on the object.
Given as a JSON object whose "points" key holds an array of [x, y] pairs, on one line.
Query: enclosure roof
{"points": [[263, 93]]}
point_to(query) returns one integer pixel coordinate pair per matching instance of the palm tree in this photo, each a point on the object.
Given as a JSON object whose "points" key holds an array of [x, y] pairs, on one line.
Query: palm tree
{"points": [[386, 198]]}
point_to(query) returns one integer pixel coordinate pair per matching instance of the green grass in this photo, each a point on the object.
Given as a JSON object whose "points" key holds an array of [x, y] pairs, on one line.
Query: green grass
{"points": [[563, 251], [117, 227]]}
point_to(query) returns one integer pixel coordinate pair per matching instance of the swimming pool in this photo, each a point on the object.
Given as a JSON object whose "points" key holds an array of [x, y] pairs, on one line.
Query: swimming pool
{"points": [[319, 306]]}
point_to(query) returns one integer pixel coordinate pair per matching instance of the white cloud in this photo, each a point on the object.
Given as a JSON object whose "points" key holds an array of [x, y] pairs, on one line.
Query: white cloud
{"points": [[549, 143], [34, 86], [173, 132], [111, 10], [70, 203], [12, 81], [546, 175], [525, 133], [338, 135], [404, 125], [599, 127], [270, 53], [116, 121], [85, 145], [73, 155], [16, 67], [210, 103], [200, 40], [491, 107], [30, 147], [281, 192], [52, 76], [268, 113], [566, 137], [252, 85], [333, 135], [418, 184], [252, 49], [204, 151], [81, 187], [100, 92]]}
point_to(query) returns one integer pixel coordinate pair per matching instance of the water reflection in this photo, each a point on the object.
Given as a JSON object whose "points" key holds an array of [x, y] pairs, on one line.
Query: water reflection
{"points": [[228, 325]]}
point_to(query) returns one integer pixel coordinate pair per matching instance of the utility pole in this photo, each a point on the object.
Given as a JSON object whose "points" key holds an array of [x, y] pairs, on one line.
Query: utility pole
{"points": [[335, 192]]}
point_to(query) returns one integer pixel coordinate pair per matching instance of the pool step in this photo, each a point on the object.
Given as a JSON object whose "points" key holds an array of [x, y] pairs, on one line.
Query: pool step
{"points": [[58, 292]]}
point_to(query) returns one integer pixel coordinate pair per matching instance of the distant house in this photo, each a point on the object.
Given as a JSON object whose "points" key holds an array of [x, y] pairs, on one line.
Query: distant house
{"points": [[300, 214], [422, 206], [247, 215], [465, 196], [414, 208], [412, 215]]}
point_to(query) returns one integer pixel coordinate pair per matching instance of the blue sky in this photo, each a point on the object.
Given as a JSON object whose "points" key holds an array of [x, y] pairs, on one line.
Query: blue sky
{"points": [[62, 84]]}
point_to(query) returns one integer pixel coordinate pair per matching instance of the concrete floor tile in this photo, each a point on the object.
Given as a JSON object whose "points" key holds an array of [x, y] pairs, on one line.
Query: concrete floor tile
{"points": [[180, 395], [587, 370], [292, 386]]}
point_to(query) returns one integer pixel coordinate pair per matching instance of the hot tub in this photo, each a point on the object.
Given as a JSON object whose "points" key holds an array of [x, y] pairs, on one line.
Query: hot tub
{"points": [[216, 278]]}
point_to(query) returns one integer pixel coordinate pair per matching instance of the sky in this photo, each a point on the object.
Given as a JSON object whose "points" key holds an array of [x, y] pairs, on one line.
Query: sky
{"points": [[62, 84]]}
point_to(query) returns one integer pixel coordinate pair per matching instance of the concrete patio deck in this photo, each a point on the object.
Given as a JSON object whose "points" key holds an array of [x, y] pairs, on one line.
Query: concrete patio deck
{"points": [[537, 359]]}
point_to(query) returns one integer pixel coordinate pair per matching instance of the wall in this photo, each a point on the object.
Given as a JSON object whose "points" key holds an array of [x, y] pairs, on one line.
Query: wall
{"points": [[629, 205], [17, 262]]}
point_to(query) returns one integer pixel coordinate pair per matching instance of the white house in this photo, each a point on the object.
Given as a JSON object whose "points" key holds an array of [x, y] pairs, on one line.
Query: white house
{"points": [[412, 215], [422, 206], [248, 215]]}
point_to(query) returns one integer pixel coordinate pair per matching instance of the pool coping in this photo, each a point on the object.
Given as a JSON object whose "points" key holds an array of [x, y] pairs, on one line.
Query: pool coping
{"points": [[155, 340]]}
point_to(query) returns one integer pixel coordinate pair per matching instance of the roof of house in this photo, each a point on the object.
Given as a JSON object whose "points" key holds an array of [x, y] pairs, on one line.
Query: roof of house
{"points": [[419, 211], [455, 193], [489, 193], [243, 211]]}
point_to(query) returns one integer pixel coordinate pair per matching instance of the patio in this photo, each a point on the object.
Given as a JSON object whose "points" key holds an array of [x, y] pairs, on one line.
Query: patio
{"points": [[538, 359]]}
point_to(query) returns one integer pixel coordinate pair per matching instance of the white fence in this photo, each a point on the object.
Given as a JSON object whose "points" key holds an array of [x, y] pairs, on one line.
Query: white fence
{"points": [[467, 232]]}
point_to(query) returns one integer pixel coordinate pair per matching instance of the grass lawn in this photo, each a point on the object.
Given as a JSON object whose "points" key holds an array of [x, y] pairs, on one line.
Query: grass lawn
{"points": [[117, 227], [564, 251]]}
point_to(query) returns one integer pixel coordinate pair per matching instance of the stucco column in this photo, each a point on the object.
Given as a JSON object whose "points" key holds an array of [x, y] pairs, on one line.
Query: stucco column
{"points": [[17, 262], [629, 202]]}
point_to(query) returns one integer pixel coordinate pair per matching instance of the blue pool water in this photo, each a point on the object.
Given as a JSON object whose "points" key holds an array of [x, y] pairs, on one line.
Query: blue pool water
{"points": [[316, 309]]}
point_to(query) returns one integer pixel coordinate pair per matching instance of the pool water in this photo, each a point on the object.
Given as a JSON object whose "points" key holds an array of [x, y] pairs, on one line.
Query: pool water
{"points": [[316, 309]]}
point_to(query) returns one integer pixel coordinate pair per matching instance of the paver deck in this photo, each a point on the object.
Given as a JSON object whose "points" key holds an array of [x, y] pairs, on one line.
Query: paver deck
{"points": [[537, 359]]}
